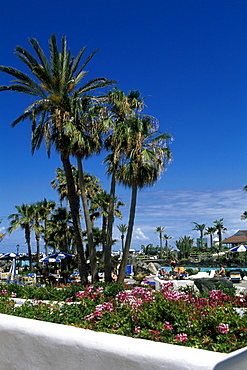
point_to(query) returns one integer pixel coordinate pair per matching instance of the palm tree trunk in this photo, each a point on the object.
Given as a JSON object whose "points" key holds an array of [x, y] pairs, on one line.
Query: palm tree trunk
{"points": [[88, 222], [37, 236], [28, 241], [122, 237], [104, 226], [107, 256], [129, 234], [74, 207]]}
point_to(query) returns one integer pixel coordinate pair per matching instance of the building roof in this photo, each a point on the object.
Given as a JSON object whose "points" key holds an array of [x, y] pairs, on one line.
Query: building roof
{"points": [[238, 238]]}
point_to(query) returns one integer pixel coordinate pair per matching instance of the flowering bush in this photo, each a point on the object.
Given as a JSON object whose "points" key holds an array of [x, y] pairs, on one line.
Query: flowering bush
{"points": [[217, 322]]}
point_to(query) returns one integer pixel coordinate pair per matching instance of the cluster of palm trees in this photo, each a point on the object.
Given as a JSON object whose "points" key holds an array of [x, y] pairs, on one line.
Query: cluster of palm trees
{"points": [[34, 217], [218, 228], [67, 116]]}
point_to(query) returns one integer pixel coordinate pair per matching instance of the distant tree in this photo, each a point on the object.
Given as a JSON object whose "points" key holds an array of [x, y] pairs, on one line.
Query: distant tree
{"points": [[166, 238], [220, 229], [123, 229], [160, 231], [146, 248], [210, 231], [184, 244], [200, 228]]}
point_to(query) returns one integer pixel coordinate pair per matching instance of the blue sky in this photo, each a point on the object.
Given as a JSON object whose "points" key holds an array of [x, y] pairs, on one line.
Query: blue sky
{"points": [[189, 59]]}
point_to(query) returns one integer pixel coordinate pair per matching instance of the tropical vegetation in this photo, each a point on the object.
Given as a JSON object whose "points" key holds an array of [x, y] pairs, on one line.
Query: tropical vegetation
{"points": [[78, 121]]}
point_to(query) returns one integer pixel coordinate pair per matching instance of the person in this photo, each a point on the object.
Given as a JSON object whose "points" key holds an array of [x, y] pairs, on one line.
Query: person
{"points": [[221, 272], [173, 263], [114, 275], [163, 273], [173, 272]]}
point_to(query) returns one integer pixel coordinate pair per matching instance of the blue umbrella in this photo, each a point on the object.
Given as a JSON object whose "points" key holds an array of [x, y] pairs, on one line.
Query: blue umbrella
{"points": [[13, 255], [50, 259], [239, 248], [56, 257], [60, 255]]}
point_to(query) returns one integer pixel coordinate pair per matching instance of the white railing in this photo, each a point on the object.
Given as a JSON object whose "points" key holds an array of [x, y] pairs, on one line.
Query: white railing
{"points": [[35, 345]]}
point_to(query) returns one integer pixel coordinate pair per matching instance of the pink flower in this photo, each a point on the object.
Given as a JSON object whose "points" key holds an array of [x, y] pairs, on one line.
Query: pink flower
{"points": [[182, 337], [4, 292], [137, 329], [13, 295], [217, 295], [167, 326], [223, 328]]}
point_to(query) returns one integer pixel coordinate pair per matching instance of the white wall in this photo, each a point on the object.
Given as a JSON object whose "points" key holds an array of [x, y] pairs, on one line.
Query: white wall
{"points": [[31, 344]]}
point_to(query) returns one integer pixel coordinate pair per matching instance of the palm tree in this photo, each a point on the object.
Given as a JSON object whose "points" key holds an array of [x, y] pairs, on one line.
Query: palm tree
{"points": [[200, 228], [244, 215], [1, 235], [37, 226], [100, 207], [123, 229], [23, 219], [122, 107], [60, 184], [160, 230], [210, 231], [166, 238], [59, 230], [45, 211], [146, 156], [219, 229], [184, 244], [147, 248], [54, 84]]}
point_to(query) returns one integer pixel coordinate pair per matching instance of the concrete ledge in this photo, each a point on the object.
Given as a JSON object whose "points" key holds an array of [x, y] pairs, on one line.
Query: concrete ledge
{"points": [[37, 345]]}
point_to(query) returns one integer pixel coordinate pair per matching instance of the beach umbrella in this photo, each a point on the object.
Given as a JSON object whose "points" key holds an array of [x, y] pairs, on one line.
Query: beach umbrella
{"points": [[12, 271], [239, 248], [12, 255], [50, 259], [61, 255], [8, 255], [55, 257]]}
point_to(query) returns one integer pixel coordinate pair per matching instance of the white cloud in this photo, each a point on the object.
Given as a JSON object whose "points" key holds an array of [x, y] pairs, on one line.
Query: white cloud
{"points": [[139, 235], [177, 209]]}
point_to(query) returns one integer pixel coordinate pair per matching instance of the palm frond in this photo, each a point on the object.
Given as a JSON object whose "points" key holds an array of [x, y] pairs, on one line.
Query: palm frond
{"points": [[75, 62]]}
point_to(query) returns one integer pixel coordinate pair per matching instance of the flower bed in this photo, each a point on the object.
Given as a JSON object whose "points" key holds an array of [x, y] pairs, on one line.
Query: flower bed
{"points": [[169, 316]]}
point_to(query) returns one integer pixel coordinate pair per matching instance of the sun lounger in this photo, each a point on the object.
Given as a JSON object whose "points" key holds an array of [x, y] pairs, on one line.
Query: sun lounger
{"points": [[29, 279], [235, 276]]}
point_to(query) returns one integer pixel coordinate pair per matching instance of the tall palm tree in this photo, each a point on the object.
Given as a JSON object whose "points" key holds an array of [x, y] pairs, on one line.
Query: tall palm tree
{"points": [[37, 226], [146, 156], [219, 229], [160, 230], [200, 228], [123, 229], [210, 231], [122, 107], [23, 219], [54, 83]]}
